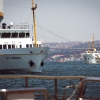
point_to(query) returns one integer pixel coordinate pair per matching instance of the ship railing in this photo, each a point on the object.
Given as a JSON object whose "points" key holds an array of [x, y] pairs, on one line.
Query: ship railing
{"points": [[15, 27], [79, 88], [25, 93]]}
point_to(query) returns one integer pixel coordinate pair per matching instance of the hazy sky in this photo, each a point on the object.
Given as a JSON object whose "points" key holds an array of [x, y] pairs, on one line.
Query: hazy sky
{"points": [[74, 20]]}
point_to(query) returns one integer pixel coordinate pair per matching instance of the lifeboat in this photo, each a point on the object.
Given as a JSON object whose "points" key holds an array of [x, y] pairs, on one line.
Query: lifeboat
{"points": [[1, 10]]}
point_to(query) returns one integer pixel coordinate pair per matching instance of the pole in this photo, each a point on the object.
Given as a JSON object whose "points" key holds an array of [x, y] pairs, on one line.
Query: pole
{"points": [[34, 6]]}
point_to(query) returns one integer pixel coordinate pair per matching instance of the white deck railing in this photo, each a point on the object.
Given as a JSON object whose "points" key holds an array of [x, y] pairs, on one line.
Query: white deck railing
{"points": [[15, 27]]}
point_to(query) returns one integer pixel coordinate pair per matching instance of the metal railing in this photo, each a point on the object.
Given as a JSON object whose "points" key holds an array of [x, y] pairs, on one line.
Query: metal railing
{"points": [[55, 78], [55, 96]]}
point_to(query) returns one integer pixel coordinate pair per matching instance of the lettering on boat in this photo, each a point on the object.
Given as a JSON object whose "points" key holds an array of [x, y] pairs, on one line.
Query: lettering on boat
{"points": [[13, 57]]}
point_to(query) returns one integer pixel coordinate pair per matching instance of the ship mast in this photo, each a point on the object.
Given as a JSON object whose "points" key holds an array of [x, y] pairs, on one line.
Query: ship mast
{"points": [[93, 43], [89, 47], [34, 6]]}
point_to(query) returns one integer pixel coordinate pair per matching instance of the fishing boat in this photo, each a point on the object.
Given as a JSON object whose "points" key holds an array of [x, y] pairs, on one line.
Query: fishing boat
{"points": [[19, 52], [92, 56]]}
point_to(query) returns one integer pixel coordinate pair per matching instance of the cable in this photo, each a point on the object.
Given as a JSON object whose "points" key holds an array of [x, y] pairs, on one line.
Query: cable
{"points": [[28, 17], [16, 5], [39, 25], [40, 28], [54, 33]]}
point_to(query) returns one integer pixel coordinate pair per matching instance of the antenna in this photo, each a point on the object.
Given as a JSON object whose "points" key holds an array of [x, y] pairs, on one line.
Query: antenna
{"points": [[93, 43]]}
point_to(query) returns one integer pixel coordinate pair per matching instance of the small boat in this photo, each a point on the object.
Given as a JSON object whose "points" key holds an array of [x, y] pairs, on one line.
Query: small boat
{"points": [[19, 52], [1, 10], [92, 56]]}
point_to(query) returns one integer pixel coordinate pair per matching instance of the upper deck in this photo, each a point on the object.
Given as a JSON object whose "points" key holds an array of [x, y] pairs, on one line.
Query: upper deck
{"points": [[14, 31], [16, 36]]}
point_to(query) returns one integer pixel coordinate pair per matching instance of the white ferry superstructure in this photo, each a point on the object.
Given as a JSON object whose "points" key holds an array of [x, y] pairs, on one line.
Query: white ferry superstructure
{"points": [[18, 52], [92, 56]]}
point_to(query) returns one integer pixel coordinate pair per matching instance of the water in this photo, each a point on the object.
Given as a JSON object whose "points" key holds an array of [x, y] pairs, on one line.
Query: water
{"points": [[71, 69], [60, 69]]}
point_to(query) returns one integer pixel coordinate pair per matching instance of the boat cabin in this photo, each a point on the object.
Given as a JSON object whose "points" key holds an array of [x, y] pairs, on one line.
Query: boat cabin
{"points": [[16, 36]]}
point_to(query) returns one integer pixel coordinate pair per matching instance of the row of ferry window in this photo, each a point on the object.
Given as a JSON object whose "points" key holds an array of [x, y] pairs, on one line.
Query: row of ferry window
{"points": [[14, 35], [13, 46], [20, 46]]}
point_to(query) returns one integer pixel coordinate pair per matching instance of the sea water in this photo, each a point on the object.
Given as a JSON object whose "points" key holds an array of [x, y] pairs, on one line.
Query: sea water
{"points": [[71, 68]]}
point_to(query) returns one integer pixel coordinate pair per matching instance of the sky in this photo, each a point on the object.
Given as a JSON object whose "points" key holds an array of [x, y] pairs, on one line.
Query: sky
{"points": [[57, 20]]}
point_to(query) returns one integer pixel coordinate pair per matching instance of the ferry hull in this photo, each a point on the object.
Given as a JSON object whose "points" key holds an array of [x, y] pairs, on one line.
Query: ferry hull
{"points": [[24, 60], [89, 59], [92, 59]]}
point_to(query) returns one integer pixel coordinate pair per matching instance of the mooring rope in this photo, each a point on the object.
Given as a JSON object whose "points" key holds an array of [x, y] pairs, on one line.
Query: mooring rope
{"points": [[71, 86], [76, 87]]}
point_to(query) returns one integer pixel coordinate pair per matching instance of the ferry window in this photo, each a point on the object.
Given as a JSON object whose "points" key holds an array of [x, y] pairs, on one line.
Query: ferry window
{"points": [[4, 46], [39, 45], [14, 35], [13, 46], [5, 35], [27, 35], [21, 35], [30, 45], [27, 45], [34, 45], [9, 46], [0, 46], [20, 46]]}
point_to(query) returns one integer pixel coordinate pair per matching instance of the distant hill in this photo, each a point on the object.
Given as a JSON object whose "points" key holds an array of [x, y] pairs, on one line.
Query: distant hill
{"points": [[67, 45], [69, 49]]}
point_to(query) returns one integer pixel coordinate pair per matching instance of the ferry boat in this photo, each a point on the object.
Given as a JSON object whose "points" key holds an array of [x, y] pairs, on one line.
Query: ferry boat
{"points": [[92, 56], [18, 51]]}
